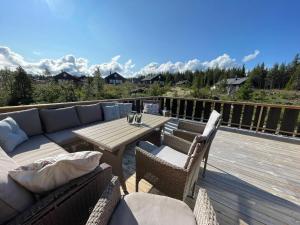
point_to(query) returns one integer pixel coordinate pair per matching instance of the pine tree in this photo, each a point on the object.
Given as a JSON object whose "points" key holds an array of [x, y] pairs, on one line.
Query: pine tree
{"points": [[98, 84], [22, 87]]}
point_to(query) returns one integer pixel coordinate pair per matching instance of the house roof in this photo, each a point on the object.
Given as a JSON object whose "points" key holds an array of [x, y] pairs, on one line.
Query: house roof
{"points": [[66, 76], [150, 77], [236, 81], [115, 75]]}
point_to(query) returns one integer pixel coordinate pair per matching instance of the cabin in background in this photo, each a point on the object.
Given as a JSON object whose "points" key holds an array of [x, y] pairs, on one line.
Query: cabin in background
{"points": [[115, 78], [151, 79], [233, 84], [66, 77]]}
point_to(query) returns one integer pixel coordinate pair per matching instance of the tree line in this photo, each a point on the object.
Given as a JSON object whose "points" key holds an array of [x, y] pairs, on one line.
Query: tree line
{"points": [[17, 87], [279, 76]]}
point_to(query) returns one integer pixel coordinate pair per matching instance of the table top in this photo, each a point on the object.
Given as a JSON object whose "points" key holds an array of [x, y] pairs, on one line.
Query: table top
{"points": [[117, 133]]}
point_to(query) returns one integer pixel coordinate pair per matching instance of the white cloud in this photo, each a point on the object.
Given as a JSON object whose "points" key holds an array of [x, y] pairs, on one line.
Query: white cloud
{"points": [[250, 57], [80, 66], [223, 61]]}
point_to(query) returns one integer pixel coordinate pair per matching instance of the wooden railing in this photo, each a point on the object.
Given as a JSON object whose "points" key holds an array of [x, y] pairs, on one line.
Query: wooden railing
{"points": [[267, 118], [258, 117]]}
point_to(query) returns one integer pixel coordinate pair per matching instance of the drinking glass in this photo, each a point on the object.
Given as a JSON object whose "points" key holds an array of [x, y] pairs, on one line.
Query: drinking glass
{"points": [[138, 118], [130, 117]]}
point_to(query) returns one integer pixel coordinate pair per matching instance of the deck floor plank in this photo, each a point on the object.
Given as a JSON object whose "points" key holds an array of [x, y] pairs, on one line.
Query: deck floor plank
{"points": [[250, 180]]}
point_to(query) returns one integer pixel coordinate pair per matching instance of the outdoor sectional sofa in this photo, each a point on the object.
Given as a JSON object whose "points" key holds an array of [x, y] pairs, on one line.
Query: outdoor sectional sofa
{"points": [[50, 132]]}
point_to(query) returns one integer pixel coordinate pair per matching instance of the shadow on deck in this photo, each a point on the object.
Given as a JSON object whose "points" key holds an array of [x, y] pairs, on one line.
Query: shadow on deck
{"points": [[250, 180]]}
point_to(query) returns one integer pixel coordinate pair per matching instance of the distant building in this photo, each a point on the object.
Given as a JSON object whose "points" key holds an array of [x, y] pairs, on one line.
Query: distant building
{"points": [[115, 78], [153, 79], [66, 76], [233, 84]]}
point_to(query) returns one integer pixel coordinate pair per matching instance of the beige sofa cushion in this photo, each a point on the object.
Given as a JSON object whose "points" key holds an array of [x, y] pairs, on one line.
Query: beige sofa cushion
{"points": [[13, 197], [35, 148], [67, 136], [146, 209], [28, 120], [49, 173], [59, 119], [89, 113], [63, 137]]}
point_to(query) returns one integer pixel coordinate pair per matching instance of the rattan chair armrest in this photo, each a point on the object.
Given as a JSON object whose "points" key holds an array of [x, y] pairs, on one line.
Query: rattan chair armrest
{"points": [[176, 143], [168, 178], [203, 211], [186, 135], [191, 126], [106, 204], [98, 178]]}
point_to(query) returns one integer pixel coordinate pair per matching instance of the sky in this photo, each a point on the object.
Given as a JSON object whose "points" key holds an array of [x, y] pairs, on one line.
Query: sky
{"points": [[137, 37]]}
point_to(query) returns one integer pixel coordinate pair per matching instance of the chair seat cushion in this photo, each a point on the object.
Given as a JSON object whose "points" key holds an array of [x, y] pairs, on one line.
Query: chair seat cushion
{"points": [[35, 148], [148, 209], [165, 153]]}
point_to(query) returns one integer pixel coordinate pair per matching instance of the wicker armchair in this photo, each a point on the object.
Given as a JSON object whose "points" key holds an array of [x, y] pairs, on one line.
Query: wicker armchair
{"points": [[176, 181], [187, 130], [70, 204], [113, 209]]}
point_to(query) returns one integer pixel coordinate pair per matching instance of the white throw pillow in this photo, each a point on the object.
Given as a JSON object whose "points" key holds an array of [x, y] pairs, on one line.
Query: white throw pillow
{"points": [[49, 173], [11, 134]]}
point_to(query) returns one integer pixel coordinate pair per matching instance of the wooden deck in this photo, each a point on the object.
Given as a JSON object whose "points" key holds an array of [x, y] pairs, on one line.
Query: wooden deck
{"points": [[250, 180]]}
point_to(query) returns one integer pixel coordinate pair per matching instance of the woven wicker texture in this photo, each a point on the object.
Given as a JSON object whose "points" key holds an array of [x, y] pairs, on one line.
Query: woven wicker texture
{"points": [[69, 204], [106, 204], [203, 211]]}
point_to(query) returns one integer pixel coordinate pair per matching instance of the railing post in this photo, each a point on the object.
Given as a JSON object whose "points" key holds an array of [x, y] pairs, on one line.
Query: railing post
{"points": [[194, 109], [184, 109], [178, 108], [259, 118]]}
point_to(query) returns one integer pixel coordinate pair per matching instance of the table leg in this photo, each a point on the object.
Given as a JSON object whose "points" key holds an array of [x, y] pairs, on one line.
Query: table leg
{"points": [[115, 160]]}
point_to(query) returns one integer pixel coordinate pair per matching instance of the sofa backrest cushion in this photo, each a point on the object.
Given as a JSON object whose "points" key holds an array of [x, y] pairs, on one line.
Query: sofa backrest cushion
{"points": [[28, 120], [13, 197], [111, 112], [11, 134], [59, 119], [89, 113], [125, 108]]}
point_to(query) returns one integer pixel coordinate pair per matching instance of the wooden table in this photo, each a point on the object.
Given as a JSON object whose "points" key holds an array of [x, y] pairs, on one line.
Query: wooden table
{"points": [[111, 138]]}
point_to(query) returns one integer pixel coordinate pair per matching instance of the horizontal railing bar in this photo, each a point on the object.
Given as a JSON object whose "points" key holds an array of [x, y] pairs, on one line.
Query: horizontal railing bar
{"points": [[237, 103], [65, 104]]}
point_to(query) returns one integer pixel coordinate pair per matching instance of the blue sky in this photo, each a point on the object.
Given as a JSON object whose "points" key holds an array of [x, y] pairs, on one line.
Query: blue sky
{"points": [[139, 36]]}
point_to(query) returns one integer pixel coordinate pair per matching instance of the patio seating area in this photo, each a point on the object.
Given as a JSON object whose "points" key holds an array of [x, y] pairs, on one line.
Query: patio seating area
{"points": [[205, 173], [249, 179]]}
